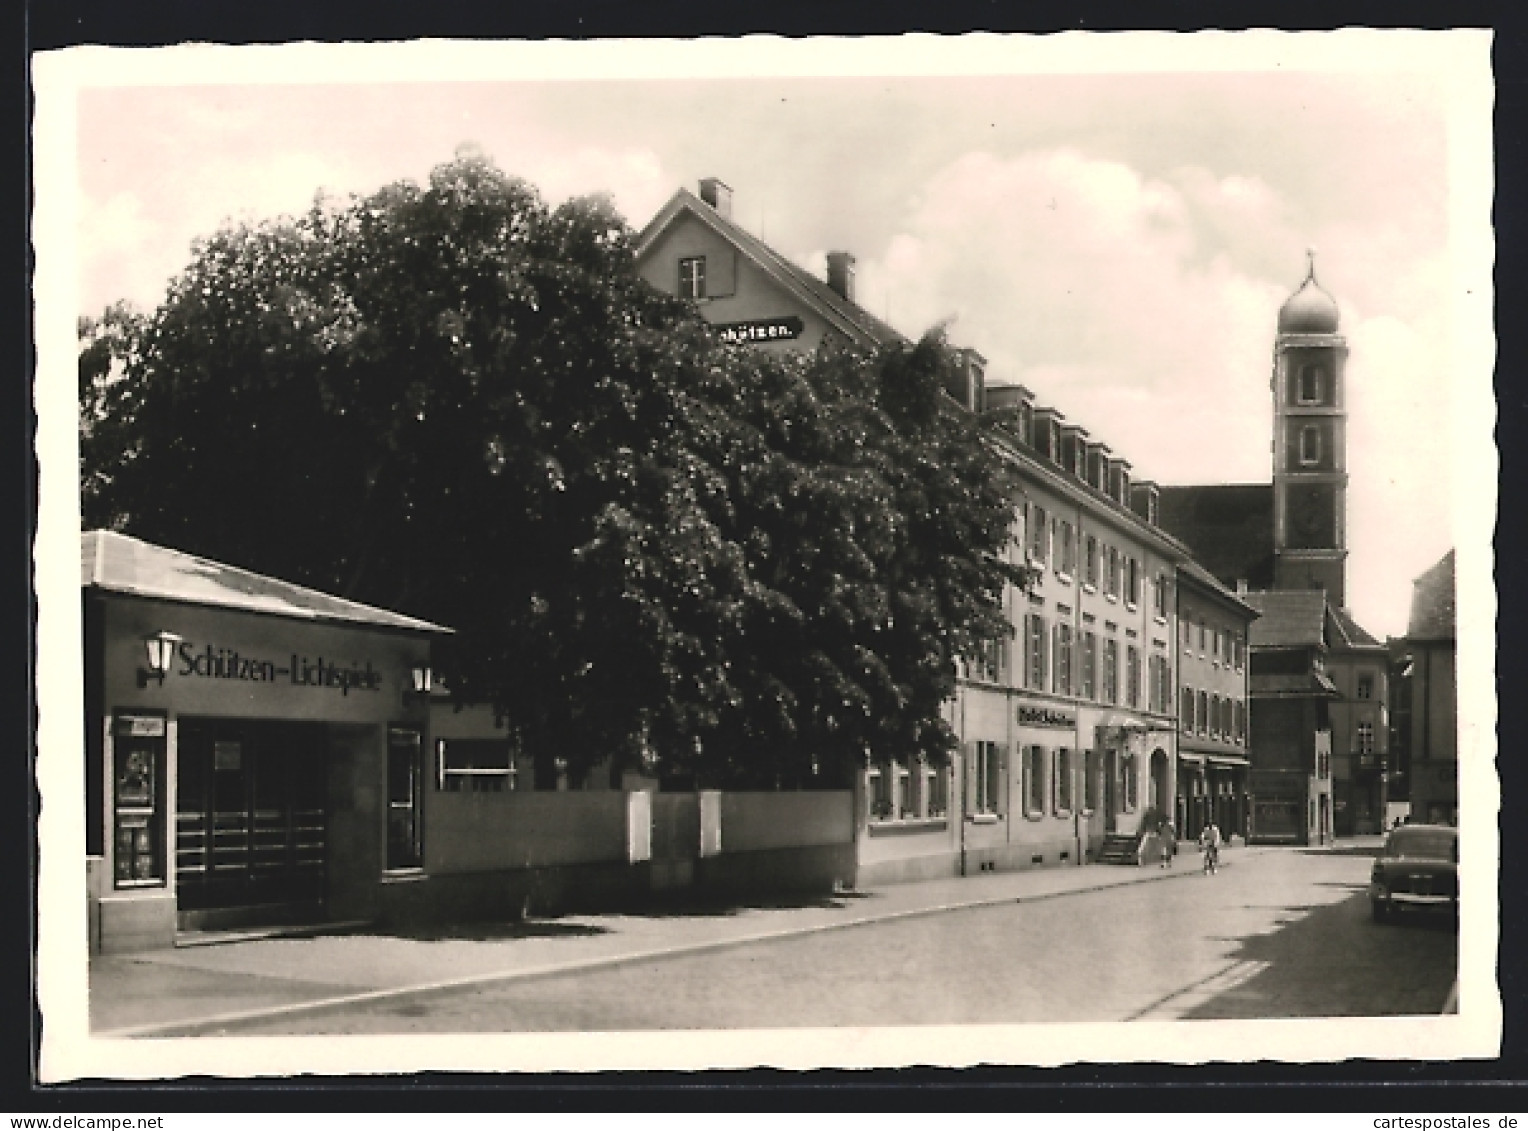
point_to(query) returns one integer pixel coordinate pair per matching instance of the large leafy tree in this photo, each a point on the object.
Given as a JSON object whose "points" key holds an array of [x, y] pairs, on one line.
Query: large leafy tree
{"points": [[460, 402]]}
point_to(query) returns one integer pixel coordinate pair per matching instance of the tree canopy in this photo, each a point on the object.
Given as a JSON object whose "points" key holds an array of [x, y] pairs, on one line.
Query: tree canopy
{"points": [[459, 402]]}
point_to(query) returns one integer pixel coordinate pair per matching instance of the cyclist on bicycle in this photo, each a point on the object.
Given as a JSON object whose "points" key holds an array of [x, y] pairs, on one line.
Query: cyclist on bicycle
{"points": [[1209, 840]]}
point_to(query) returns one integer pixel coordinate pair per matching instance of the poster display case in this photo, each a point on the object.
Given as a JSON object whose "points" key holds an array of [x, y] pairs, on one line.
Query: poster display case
{"points": [[139, 754]]}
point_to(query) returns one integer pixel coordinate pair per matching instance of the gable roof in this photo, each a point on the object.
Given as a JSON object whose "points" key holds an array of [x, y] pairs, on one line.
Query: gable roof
{"points": [[849, 317], [1228, 527], [1432, 603], [1302, 685], [119, 563], [1207, 582], [1345, 632], [1291, 618]]}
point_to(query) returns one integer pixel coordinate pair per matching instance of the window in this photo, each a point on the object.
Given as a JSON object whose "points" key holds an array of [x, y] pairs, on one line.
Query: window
{"points": [[1039, 534], [894, 792], [1310, 444], [934, 795], [1186, 711], [1089, 780], [1063, 667], [1215, 645], [1130, 787], [474, 765], [405, 844], [1363, 742], [1188, 633], [1202, 714], [1111, 671], [1159, 596], [1241, 723], [990, 663], [1310, 384], [985, 787], [1202, 640], [1111, 574], [1132, 676], [692, 277], [1215, 716], [1066, 553], [1035, 651], [878, 786], [1064, 774], [1089, 665], [1034, 781], [1365, 688], [1132, 582], [1239, 647], [1090, 562]]}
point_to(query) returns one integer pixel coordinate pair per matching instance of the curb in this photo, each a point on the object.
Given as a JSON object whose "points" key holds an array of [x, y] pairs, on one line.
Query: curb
{"points": [[200, 1026]]}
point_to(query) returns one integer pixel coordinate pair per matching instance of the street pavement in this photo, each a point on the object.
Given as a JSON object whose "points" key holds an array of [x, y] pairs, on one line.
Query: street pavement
{"points": [[1279, 932]]}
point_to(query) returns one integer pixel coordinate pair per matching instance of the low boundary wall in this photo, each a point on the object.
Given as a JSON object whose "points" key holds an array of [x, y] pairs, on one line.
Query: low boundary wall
{"points": [[509, 855]]}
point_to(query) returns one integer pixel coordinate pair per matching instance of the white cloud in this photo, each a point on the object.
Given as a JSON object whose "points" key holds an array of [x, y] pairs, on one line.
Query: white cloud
{"points": [[1083, 279], [1145, 309]]}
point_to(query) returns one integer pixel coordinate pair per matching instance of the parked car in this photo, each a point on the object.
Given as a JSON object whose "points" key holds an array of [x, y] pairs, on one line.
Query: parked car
{"points": [[1418, 869]]}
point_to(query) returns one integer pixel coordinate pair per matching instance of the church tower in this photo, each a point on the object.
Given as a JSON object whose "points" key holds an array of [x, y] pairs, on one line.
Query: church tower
{"points": [[1310, 476]]}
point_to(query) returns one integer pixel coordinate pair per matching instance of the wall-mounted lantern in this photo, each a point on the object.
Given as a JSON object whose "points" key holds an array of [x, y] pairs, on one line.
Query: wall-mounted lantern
{"points": [[161, 653]]}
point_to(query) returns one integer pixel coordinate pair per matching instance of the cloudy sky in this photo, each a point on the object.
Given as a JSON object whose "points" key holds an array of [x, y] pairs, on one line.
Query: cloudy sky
{"points": [[1118, 234]]}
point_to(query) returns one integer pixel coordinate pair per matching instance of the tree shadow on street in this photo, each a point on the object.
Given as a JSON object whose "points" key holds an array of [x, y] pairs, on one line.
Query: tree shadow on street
{"points": [[497, 930], [1332, 961], [703, 906]]}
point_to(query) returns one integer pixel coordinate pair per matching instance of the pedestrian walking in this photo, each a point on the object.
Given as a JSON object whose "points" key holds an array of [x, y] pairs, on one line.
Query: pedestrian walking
{"points": [[1209, 840], [1169, 844]]}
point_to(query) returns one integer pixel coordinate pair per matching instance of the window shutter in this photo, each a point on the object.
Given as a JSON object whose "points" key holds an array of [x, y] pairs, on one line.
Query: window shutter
{"points": [[969, 771], [1000, 798], [722, 271]]}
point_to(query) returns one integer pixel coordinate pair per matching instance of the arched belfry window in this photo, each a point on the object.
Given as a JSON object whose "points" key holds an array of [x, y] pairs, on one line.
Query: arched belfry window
{"points": [[1310, 444], [1311, 381]]}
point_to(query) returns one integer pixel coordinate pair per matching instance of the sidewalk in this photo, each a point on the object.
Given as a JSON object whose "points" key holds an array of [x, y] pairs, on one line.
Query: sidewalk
{"points": [[193, 990]]}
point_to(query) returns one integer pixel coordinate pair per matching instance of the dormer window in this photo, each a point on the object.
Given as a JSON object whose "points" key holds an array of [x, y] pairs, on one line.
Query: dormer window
{"points": [[692, 277], [1310, 445], [1311, 380]]}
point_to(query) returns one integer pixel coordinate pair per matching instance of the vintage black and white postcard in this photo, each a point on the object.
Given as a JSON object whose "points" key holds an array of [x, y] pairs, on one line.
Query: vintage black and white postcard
{"points": [[760, 552]]}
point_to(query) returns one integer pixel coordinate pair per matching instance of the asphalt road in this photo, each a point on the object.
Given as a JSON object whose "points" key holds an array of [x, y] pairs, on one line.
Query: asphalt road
{"points": [[1282, 934]]}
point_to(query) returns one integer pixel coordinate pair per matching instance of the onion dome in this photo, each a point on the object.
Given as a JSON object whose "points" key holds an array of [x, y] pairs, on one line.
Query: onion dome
{"points": [[1310, 310]]}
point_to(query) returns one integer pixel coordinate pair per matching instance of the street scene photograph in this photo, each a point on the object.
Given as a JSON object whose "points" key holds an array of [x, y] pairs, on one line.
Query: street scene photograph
{"points": [[741, 552]]}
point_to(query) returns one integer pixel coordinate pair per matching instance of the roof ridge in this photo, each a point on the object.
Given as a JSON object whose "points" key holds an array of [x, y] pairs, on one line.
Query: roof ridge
{"points": [[817, 290]]}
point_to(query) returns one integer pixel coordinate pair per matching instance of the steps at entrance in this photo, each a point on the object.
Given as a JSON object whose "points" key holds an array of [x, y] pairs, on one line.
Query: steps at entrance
{"points": [[1119, 848]]}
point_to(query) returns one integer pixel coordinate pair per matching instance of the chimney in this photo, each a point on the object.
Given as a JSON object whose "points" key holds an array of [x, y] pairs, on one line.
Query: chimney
{"points": [[841, 274], [716, 193], [1241, 585]]}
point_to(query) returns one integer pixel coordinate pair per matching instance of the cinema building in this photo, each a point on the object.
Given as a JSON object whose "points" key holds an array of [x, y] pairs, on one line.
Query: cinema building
{"points": [[254, 750], [1068, 733]]}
